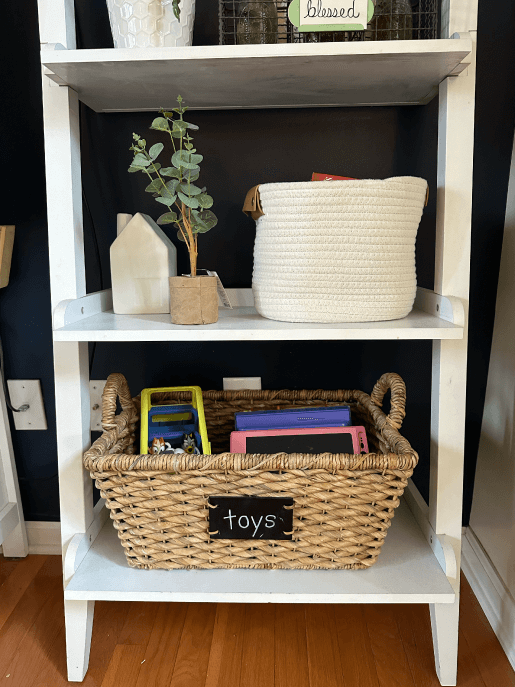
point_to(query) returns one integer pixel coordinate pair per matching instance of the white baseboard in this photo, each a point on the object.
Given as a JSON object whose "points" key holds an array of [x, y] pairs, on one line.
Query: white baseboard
{"points": [[44, 538], [491, 592]]}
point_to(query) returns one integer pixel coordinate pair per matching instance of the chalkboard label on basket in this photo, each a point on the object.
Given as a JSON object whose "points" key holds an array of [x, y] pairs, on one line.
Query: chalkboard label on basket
{"points": [[250, 517]]}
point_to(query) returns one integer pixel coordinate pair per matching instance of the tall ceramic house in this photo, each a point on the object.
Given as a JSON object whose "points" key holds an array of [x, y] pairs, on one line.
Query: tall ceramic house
{"points": [[142, 259]]}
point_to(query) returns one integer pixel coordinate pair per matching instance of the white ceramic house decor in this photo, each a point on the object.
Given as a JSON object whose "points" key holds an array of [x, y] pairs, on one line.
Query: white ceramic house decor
{"points": [[142, 260], [150, 23]]}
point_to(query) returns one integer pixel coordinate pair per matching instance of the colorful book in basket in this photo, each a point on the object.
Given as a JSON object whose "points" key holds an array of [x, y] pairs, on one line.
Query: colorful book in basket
{"points": [[313, 440], [325, 416]]}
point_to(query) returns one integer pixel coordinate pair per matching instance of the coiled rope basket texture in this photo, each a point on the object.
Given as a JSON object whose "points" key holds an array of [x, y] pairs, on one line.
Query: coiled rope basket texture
{"points": [[337, 251], [343, 504]]}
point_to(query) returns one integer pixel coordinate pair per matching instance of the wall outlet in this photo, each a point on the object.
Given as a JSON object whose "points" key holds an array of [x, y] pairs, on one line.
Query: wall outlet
{"points": [[96, 387], [27, 392], [235, 383]]}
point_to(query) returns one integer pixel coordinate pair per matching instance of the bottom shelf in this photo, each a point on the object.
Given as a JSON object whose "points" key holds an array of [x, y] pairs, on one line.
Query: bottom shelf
{"points": [[406, 572]]}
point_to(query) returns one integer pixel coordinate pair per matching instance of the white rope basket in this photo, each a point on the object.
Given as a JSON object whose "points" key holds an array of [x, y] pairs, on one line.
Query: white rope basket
{"points": [[337, 251]]}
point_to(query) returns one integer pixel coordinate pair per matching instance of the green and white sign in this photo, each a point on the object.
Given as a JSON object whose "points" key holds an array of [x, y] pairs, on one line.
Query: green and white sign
{"points": [[331, 15]]}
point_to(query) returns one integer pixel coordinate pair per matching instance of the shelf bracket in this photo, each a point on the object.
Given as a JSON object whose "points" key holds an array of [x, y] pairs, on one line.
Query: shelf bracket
{"points": [[82, 542], [441, 544], [76, 309], [459, 68], [447, 308]]}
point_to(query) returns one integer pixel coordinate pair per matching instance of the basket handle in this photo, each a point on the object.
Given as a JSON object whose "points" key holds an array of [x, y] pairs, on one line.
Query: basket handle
{"points": [[391, 380], [116, 388]]}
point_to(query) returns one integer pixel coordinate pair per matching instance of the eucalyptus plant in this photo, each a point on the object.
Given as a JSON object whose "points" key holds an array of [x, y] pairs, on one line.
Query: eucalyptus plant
{"points": [[176, 9], [192, 202]]}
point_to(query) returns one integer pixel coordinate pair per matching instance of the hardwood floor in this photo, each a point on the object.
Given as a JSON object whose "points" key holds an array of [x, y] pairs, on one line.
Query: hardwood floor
{"points": [[233, 645]]}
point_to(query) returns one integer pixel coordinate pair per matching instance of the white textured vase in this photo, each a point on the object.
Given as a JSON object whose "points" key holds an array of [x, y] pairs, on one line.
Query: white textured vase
{"points": [[337, 251], [150, 23]]}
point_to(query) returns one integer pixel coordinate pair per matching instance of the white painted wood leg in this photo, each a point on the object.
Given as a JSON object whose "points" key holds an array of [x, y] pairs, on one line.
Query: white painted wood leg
{"points": [[13, 535], [444, 624], [79, 623], [15, 545]]}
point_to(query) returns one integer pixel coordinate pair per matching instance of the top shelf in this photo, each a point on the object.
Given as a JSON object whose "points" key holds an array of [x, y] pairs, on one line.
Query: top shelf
{"points": [[259, 76]]}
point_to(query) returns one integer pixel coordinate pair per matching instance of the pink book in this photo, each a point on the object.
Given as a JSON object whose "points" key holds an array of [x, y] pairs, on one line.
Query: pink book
{"points": [[319, 440]]}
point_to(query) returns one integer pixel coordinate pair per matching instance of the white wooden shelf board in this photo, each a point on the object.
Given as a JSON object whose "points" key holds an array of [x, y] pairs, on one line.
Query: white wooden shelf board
{"points": [[405, 572], [244, 324], [259, 76]]}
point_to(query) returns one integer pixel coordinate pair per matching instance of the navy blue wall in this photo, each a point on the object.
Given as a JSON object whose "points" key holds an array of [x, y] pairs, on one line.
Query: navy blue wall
{"points": [[240, 149]]}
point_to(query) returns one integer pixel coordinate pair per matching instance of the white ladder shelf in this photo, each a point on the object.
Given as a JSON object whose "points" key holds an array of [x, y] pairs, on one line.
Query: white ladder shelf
{"points": [[424, 544]]}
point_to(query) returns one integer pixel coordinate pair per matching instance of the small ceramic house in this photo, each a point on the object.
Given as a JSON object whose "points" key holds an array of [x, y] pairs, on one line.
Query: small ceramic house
{"points": [[142, 259]]}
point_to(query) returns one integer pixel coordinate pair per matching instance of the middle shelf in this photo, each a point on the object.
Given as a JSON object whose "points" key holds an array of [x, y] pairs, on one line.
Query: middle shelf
{"points": [[91, 319]]}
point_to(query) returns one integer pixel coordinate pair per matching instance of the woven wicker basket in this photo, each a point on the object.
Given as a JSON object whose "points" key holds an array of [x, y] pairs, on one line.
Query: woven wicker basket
{"points": [[343, 504]]}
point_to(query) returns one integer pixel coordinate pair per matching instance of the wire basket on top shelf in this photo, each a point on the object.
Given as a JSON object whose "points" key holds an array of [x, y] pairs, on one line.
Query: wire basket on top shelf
{"points": [[343, 504], [244, 22]]}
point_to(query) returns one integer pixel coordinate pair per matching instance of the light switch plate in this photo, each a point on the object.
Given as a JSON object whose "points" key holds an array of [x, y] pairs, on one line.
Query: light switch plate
{"points": [[96, 387], [27, 391], [234, 383]]}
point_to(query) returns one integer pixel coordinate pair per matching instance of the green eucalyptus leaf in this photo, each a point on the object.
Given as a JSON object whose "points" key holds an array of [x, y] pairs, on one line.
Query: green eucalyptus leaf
{"points": [[171, 172], [166, 201], [155, 167], [191, 175], [190, 202], [178, 124], [160, 124], [140, 160], [172, 185], [205, 200], [155, 150], [190, 189], [135, 168], [181, 158], [180, 236], [167, 218], [188, 146], [167, 192], [208, 218], [193, 127], [154, 186]]}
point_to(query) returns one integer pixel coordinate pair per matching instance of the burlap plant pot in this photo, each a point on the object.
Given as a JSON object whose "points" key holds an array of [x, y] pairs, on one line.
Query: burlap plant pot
{"points": [[193, 300]]}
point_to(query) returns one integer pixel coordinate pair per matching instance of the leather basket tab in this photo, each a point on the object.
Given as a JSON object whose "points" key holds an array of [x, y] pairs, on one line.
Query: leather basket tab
{"points": [[252, 205]]}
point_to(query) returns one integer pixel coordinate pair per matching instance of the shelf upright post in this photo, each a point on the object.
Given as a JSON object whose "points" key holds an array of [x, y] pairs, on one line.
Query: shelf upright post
{"points": [[452, 273], [68, 280]]}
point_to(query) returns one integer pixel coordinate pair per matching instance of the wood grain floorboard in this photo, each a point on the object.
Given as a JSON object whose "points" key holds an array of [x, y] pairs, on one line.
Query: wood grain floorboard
{"points": [[387, 648], [163, 645], [234, 645], [414, 623], [17, 583], [224, 667], [108, 622], [7, 566], [47, 582], [193, 655], [257, 660], [39, 649], [468, 672], [325, 668], [139, 623], [124, 666], [356, 656], [291, 647], [485, 647]]}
